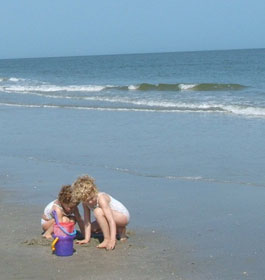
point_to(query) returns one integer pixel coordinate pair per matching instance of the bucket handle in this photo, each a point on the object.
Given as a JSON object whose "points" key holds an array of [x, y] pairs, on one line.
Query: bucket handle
{"points": [[53, 243], [61, 227]]}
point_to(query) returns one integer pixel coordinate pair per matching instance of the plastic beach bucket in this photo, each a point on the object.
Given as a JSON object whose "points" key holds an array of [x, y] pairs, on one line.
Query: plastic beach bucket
{"points": [[68, 227], [64, 234], [63, 246]]}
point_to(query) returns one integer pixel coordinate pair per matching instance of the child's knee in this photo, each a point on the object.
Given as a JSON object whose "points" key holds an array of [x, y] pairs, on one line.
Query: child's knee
{"points": [[98, 212], [65, 219], [72, 219]]}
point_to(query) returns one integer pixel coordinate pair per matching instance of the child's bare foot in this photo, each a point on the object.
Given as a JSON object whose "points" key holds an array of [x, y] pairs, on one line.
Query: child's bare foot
{"points": [[108, 245], [123, 238], [122, 234], [111, 245], [103, 244], [47, 236]]}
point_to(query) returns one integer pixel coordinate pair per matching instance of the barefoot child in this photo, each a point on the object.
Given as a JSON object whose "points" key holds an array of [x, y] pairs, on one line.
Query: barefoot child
{"points": [[111, 215], [66, 210]]}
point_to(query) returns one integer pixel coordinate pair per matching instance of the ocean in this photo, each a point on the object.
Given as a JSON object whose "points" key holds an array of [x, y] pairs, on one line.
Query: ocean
{"points": [[208, 89], [178, 137], [224, 82]]}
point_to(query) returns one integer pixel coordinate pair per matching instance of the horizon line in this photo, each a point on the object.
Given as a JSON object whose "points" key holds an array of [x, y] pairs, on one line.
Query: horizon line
{"points": [[117, 54]]}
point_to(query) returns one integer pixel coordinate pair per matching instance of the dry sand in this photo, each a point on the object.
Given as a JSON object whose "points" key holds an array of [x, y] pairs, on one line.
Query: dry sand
{"points": [[26, 255]]}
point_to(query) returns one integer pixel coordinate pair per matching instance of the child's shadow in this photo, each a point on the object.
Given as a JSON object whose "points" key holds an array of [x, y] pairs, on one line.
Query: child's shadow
{"points": [[98, 236], [79, 235]]}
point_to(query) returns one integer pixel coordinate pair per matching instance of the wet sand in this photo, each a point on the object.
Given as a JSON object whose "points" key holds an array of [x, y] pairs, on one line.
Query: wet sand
{"points": [[203, 233], [26, 255]]}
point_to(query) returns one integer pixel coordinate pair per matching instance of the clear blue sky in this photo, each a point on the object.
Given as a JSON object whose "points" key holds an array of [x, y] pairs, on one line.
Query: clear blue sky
{"points": [[32, 28]]}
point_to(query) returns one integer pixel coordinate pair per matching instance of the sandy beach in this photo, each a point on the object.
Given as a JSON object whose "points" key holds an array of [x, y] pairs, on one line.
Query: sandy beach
{"points": [[225, 243], [26, 255]]}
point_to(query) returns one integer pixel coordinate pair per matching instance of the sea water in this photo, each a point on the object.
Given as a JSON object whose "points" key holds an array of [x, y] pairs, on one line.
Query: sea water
{"points": [[193, 115], [177, 137]]}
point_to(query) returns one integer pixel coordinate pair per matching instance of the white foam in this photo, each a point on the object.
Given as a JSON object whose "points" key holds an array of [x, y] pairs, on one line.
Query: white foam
{"points": [[251, 112], [142, 104], [12, 79], [16, 79], [20, 105], [133, 87], [187, 86], [52, 88], [247, 111]]}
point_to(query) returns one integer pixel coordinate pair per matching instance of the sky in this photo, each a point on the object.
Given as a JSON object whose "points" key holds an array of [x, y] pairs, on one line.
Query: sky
{"points": [[50, 28]]}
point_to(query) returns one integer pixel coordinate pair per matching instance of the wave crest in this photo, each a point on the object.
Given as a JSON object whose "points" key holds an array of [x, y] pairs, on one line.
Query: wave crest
{"points": [[12, 79], [194, 87], [178, 108], [133, 87]]}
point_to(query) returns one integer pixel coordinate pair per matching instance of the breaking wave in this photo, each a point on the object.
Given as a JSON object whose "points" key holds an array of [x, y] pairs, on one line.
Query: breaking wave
{"points": [[196, 87], [121, 98], [177, 108], [140, 87], [12, 79]]}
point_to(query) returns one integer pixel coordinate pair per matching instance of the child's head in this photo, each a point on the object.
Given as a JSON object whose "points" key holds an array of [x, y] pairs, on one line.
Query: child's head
{"points": [[65, 196], [84, 188]]}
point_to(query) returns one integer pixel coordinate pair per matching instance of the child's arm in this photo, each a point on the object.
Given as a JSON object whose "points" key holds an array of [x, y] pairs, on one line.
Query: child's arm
{"points": [[104, 204], [79, 220], [87, 225], [59, 213], [44, 217]]}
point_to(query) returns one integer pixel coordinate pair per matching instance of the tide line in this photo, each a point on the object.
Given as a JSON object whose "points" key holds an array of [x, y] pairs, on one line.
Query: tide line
{"points": [[185, 178]]}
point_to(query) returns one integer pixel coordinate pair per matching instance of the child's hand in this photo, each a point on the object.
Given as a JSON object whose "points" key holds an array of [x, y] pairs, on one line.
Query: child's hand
{"points": [[44, 217], [84, 241]]}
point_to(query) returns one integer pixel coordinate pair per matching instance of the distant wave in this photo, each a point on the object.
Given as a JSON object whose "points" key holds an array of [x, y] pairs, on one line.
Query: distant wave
{"points": [[158, 176], [177, 108], [51, 88], [185, 178], [140, 87], [195, 87], [12, 79]]}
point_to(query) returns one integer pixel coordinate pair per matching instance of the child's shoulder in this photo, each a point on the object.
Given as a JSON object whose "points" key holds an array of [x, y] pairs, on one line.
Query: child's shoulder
{"points": [[57, 205], [102, 197]]}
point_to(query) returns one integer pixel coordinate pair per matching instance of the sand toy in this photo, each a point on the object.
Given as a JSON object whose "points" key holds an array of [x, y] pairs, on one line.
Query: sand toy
{"points": [[64, 234]]}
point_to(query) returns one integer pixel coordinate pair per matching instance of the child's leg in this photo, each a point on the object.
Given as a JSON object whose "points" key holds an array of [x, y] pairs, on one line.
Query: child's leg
{"points": [[121, 231], [121, 222], [48, 229], [95, 228], [72, 219], [48, 226], [69, 219], [103, 224]]}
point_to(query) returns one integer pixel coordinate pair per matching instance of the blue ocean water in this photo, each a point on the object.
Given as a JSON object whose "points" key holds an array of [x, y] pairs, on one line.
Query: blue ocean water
{"points": [[225, 82], [179, 116]]}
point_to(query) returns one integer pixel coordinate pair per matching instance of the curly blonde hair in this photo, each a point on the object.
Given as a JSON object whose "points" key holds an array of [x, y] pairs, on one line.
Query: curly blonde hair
{"points": [[65, 195], [84, 188]]}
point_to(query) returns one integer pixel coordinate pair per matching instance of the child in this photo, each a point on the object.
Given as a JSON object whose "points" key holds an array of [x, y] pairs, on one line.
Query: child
{"points": [[66, 211], [111, 215]]}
